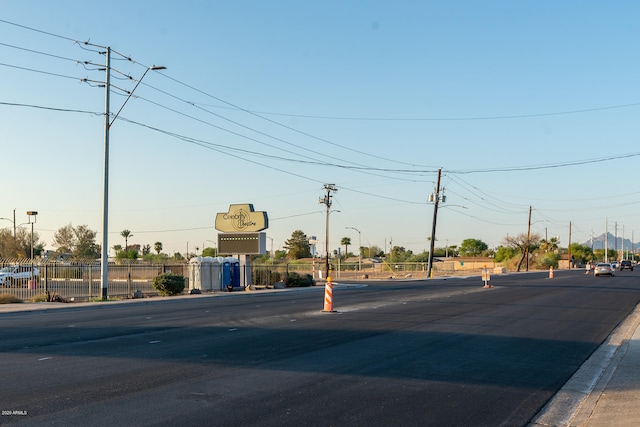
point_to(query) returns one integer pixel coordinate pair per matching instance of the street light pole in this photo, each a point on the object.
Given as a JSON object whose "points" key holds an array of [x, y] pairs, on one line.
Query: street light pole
{"points": [[359, 248], [32, 214], [14, 223], [215, 246], [104, 273]]}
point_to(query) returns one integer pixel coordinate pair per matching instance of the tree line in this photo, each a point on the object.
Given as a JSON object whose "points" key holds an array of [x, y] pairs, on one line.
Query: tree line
{"points": [[77, 242], [524, 249], [516, 251]]}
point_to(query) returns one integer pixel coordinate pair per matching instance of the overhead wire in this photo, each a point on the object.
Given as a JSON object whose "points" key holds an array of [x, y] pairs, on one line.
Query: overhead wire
{"points": [[469, 171], [36, 30], [442, 119], [65, 110], [364, 169], [221, 149], [37, 71], [281, 124], [39, 52], [258, 114]]}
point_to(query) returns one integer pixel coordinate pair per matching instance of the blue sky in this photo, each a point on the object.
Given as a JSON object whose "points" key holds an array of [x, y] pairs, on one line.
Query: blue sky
{"points": [[528, 103]]}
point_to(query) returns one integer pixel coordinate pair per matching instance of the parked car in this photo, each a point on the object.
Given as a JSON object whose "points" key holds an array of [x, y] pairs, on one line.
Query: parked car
{"points": [[603, 269], [17, 275], [625, 263]]}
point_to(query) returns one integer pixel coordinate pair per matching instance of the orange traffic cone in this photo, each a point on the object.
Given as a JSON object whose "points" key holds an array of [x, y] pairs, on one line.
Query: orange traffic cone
{"points": [[551, 272], [328, 296]]}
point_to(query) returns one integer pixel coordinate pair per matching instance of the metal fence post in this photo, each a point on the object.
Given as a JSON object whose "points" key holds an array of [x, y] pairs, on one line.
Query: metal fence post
{"points": [[129, 279], [46, 278], [90, 279]]}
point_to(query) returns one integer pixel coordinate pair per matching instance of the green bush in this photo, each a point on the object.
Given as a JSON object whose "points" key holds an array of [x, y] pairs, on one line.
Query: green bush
{"points": [[549, 259], [295, 280], [169, 284]]}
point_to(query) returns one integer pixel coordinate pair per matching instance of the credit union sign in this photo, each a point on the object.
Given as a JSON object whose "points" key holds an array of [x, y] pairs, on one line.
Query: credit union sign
{"points": [[241, 218]]}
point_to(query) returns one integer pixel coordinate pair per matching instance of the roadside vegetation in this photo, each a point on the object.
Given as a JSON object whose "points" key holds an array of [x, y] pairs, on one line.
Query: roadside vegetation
{"points": [[9, 299], [514, 253]]}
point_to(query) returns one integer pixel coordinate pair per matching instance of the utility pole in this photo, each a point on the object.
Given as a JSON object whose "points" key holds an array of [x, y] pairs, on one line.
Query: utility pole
{"points": [[615, 240], [326, 200], [526, 251], [108, 121], [570, 263], [435, 198], [622, 251], [606, 239], [104, 258]]}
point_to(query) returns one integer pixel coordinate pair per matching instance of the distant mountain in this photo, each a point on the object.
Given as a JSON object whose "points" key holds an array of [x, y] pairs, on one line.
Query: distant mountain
{"points": [[612, 243]]}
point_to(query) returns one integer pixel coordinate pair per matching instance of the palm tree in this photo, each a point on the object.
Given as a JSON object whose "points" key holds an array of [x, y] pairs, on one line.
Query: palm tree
{"points": [[157, 246], [126, 234], [549, 245], [346, 241]]}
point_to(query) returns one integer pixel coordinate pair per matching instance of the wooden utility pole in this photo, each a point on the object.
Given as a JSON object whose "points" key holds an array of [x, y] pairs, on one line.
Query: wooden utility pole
{"points": [[326, 200], [570, 263], [436, 200], [526, 252]]}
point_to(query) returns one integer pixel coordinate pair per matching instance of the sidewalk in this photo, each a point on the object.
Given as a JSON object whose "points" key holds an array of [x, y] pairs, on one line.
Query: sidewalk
{"points": [[605, 391]]}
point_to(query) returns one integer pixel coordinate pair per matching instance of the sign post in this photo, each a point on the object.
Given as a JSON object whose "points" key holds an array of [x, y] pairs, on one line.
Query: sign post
{"points": [[241, 228]]}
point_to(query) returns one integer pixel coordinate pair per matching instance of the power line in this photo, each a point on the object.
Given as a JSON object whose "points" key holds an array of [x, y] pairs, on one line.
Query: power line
{"points": [[280, 124], [65, 110], [39, 52], [36, 30], [438, 119], [363, 169], [547, 166], [390, 170], [241, 125], [221, 148], [38, 71]]}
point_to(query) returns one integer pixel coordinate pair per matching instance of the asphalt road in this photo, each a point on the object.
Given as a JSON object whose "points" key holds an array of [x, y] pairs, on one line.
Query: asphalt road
{"points": [[438, 352]]}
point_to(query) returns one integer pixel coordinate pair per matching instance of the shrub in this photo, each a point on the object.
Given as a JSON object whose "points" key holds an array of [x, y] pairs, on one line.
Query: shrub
{"points": [[295, 280], [169, 284], [549, 259], [9, 299]]}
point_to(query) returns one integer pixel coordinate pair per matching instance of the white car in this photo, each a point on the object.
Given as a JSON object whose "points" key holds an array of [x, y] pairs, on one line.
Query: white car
{"points": [[17, 275], [603, 269]]}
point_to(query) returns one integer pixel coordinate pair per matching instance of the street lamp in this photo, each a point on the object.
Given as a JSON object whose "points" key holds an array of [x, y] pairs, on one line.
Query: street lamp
{"points": [[34, 215], [215, 245], [359, 246], [14, 222], [104, 275]]}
